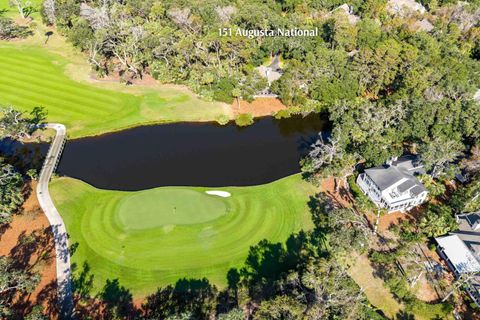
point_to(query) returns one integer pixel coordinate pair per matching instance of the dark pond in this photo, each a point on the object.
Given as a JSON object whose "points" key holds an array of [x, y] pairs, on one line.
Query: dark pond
{"points": [[192, 154]]}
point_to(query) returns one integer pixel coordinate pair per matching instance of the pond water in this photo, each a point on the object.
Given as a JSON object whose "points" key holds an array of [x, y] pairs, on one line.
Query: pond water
{"points": [[192, 154]]}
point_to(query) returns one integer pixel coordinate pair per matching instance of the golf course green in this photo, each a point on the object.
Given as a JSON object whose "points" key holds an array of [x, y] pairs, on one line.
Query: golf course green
{"points": [[33, 76], [151, 238]]}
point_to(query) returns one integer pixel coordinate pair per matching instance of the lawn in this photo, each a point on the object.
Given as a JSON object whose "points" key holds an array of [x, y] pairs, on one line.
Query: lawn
{"points": [[374, 287], [380, 296], [152, 238], [32, 76]]}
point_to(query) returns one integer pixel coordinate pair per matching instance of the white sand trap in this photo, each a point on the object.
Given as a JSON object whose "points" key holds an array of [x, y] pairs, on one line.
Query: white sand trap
{"points": [[223, 194]]}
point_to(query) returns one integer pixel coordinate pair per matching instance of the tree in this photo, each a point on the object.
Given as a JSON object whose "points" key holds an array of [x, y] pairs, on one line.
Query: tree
{"points": [[438, 152], [327, 158], [182, 316], [14, 125], [279, 308], [435, 188], [11, 196], [225, 13], [10, 30], [244, 119], [24, 7], [234, 314], [15, 280], [352, 231], [438, 220], [48, 11], [335, 294], [467, 198], [237, 93], [472, 163]]}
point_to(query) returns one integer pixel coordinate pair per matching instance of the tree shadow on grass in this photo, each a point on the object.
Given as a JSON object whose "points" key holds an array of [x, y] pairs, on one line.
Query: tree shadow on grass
{"points": [[113, 301], [268, 262], [193, 296], [118, 300]]}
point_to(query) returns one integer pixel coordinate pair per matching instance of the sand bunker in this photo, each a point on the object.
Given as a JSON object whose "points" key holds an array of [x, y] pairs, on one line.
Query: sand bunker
{"points": [[223, 194]]}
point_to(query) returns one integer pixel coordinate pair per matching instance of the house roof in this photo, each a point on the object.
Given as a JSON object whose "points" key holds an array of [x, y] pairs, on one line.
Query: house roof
{"points": [[419, 188], [458, 254], [404, 7], [400, 171], [407, 184], [347, 10], [410, 163], [384, 176], [423, 25], [468, 231]]}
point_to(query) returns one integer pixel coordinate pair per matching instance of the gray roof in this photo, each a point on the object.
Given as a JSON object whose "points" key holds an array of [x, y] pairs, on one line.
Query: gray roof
{"points": [[402, 168], [419, 188], [471, 238], [404, 186], [467, 233], [384, 176], [410, 163]]}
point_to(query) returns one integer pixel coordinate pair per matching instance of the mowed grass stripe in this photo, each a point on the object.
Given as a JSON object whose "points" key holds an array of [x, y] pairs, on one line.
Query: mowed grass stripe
{"points": [[29, 100], [25, 68], [78, 100], [23, 61], [24, 53], [57, 83], [61, 92], [146, 259]]}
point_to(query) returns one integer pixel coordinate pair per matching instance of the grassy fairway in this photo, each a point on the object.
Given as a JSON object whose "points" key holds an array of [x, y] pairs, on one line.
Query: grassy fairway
{"points": [[33, 76], [154, 237]]}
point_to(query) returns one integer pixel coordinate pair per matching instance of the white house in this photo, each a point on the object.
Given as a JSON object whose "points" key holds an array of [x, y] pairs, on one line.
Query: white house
{"points": [[461, 250], [393, 186]]}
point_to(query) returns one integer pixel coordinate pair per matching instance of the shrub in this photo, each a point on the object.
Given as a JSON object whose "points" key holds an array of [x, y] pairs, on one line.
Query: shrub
{"points": [[10, 30], [244, 119], [222, 119], [283, 114]]}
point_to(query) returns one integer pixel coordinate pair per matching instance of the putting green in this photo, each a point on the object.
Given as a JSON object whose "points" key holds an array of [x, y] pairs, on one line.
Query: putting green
{"points": [[165, 207], [139, 238]]}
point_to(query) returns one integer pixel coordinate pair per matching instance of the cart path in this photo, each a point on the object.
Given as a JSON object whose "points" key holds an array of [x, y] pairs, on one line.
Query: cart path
{"points": [[64, 279]]}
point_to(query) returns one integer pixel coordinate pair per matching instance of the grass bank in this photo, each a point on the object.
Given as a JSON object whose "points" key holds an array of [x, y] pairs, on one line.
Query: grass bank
{"points": [[152, 238]]}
